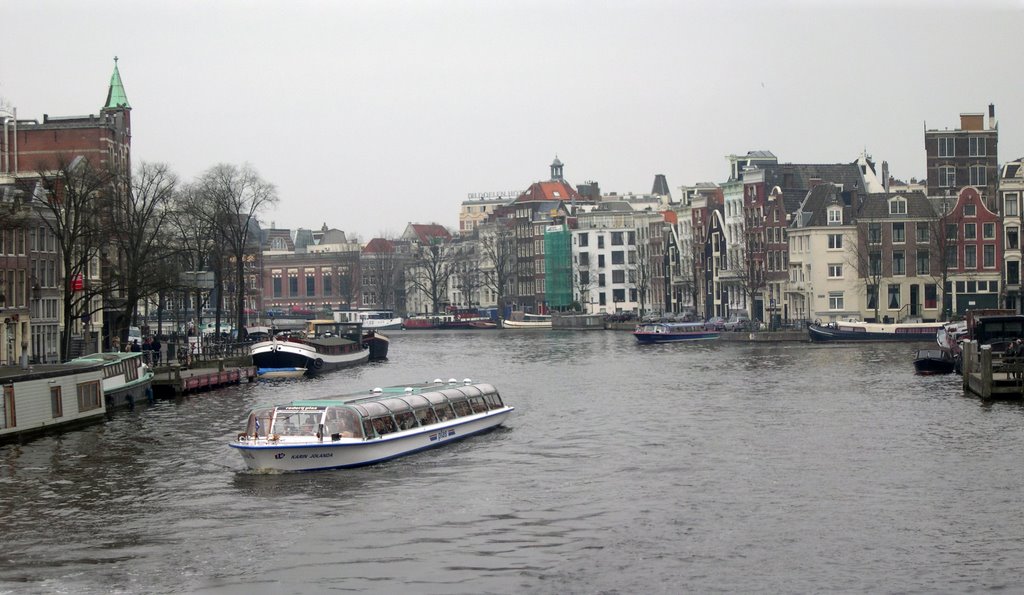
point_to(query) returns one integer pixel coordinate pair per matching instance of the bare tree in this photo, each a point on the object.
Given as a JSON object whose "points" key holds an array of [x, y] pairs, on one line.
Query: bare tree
{"points": [[140, 214], [381, 273], [498, 251], [239, 195], [640, 272], [196, 240], [431, 268], [866, 259], [467, 273], [77, 196]]}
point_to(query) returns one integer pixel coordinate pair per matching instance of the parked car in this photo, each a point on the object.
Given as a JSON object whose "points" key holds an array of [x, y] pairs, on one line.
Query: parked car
{"points": [[716, 323], [738, 322]]}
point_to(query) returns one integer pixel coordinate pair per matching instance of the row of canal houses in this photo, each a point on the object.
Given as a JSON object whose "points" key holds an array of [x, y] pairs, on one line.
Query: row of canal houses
{"points": [[780, 241]]}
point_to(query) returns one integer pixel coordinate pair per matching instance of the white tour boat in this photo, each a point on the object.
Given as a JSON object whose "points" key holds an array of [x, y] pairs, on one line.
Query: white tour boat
{"points": [[369, 427], [373, 320]]}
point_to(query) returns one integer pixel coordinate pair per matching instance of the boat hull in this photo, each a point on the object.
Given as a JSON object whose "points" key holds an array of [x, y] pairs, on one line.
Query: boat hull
{"points": [[648, 338], [347, 452], [926, 366], [823, 333], [517, 324], [294, 355]]}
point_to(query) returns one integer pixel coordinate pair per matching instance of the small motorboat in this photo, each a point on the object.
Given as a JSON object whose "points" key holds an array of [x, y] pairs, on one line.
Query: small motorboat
{"points": [[934, 361]]}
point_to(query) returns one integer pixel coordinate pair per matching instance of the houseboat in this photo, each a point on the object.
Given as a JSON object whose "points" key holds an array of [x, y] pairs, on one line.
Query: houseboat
{"points": [[856, 330], [325, 345], [368, 427], [372, 320], [127, 379], [667, 332], [50, 398], [520, 320]]}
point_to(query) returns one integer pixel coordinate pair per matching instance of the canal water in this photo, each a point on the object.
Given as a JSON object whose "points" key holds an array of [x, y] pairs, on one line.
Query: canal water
{"points": [[711, 467]]}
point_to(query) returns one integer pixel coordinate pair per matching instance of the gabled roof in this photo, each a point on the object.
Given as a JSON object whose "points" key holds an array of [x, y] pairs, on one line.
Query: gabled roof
{"points": [[813, 212], [796, 179], [876, 206], [379, 246], [426, 233]]}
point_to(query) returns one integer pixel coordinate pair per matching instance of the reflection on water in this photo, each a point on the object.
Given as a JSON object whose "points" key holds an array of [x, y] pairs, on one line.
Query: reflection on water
{"points": [[699, 467]]}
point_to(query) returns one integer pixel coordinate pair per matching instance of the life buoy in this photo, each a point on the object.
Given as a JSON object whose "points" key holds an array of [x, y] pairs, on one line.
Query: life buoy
{"points": [[318, 363]]}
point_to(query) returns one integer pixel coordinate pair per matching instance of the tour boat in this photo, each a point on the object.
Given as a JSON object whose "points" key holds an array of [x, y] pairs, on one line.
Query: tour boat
{"points": [[368, 427], [126, 377], [857, 330], [326, 345], [665, 332], [527, 321]]}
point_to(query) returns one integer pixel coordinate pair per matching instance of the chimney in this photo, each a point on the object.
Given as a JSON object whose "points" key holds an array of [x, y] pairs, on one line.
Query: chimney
{"points": [[991, 116], [885, 176]]}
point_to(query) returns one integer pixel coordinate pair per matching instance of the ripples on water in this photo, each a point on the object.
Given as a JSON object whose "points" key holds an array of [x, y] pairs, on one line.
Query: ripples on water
{"points": [[666, 468]]}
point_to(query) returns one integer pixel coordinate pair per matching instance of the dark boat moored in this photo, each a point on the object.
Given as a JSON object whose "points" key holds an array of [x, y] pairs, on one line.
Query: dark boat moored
{"points": [[934, 361]]}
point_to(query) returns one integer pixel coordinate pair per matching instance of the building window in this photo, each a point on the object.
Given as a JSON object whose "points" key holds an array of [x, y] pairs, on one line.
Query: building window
{"points": [[328, 289], [923, 233], [584, 239], [988, 256], [894, 297], [310, 286], [56, 406], [88, 396], [1012, 238], [872, 297], [970, 210], [600, 242], [874, 233], [899, 233], [898, 206], [947, 177], [899, 265], [584, 278], [951, 257], [618, 295], [600, 280], [600, 261], [835, 241], [1010, 205], [293, 286], [618, 276], [835, 271], [988, 231], [971, 257], [618, 257], [931, 295], [978, 175], [951, 231], [277, 287], [1012, 272], [923, 263], [584, 259], [835, 300], [835, 216], [947, 147], [875, 264], [616, 238], [970, 231], [976, 146]]}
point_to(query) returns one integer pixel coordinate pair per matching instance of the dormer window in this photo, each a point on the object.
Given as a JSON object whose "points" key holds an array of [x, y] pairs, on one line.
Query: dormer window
{"points": [[898, 206], [835, 215]]}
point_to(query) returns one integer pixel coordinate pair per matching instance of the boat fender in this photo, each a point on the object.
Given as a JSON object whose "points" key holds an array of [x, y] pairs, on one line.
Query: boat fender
{"points": [[318, 363]]}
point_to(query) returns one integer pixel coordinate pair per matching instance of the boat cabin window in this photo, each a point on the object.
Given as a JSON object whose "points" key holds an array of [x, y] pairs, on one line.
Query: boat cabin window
{"points": [[461, 407], [259, 422], [343, 423], [493, 400], [297, 421], [477, 404]]}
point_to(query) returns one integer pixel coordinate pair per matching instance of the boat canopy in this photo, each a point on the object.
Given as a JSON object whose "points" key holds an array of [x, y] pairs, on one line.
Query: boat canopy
{"points": [[372, 416]]}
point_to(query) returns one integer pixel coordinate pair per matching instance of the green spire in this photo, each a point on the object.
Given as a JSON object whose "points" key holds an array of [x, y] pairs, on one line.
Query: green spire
{"points": [[116, 97]]}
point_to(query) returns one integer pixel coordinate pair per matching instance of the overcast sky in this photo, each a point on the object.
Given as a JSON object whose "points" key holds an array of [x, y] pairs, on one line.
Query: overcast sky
{"points": [[369, 115]]}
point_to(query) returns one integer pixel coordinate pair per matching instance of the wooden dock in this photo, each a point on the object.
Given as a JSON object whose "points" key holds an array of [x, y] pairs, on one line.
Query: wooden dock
{"points": [[990, 376], [174, 380]]}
